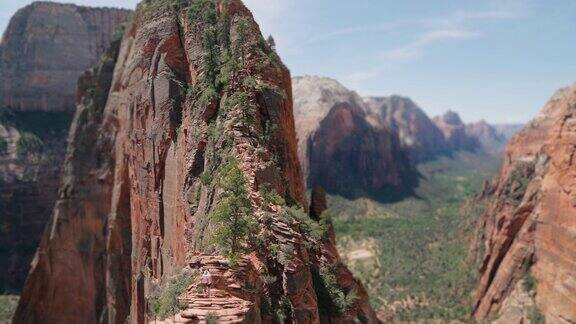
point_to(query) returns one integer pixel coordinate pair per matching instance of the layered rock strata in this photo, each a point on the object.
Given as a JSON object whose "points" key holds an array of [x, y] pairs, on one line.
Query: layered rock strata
{"points": [[528, 228]]}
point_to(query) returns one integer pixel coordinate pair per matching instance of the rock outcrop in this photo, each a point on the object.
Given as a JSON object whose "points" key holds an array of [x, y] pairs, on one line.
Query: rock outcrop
{"points": [[342, 147], [416, 131], [528, 227], [489, 138], [45, 48], [454, 131], [191, 98]]}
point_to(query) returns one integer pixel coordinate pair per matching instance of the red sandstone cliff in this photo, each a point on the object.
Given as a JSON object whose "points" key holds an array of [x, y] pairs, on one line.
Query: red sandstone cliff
{"points": [[190, 87], [45, 48], [345, 149], [528, 228]]}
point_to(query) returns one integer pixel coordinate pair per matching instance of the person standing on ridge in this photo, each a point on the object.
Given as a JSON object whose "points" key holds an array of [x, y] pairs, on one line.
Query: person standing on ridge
{"points": [[206, 282]]}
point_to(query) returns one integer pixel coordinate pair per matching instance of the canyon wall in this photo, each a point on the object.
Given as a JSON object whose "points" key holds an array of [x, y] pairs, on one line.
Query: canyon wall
{"points": [[370, 147], [344, 148], [489, 137], [455, 132], [416, 131], [44, 50], [190, 99], [527, 232]]}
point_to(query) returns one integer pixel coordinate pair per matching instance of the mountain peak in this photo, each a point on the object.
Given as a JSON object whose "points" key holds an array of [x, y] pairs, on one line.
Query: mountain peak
{"points": [[451, 117]]}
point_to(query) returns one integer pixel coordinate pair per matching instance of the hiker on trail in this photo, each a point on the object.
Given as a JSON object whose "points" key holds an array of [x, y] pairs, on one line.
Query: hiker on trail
{"points": [[206, 282]]}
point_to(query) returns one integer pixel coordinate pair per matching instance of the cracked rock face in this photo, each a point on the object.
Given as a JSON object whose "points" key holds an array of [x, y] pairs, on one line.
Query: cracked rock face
{"points": [[181, 95], [528, 228]]}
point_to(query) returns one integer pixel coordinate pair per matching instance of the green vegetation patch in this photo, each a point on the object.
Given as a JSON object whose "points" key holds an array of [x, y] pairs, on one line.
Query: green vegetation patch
{"points": [[519, 180], [164, 300], [233, 212], [29, 143], [331, 297], [8, 304], [420, 244]]}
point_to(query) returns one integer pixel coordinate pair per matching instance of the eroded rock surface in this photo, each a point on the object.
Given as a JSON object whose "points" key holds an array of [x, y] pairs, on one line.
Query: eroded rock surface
{"points": [[528, 228], [191, 87]]}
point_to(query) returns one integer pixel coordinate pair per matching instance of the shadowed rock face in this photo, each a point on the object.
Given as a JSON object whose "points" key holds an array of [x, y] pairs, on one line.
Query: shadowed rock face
{"points": [[46, 47], [185, 92], [44, 50], [345, 149], [314, 97], [417, 133], [529, 224], [350, 157]]}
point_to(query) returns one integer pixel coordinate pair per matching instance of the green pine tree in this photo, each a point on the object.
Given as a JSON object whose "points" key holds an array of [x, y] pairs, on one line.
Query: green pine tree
{"points": [[233, 212]]}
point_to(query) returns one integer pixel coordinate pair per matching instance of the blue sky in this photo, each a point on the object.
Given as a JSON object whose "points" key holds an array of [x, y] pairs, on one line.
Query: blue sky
{"points": [[487, 59]]}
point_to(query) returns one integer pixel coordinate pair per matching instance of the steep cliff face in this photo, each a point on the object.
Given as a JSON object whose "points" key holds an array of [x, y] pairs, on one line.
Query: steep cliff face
{"points": [[350, 157], [528, 228], [192, 99], [488, 136], [418, 134], [314, 97], [45, 48], [454, 131], [52, 44], [342, 146]]}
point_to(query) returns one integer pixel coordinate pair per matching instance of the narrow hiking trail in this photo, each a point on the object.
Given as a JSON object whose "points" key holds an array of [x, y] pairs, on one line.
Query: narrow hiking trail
{"points": [[228, 301]]}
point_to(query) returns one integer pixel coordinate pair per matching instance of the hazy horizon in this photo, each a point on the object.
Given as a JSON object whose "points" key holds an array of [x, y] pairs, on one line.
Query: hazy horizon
{"points": [[476, 58]]}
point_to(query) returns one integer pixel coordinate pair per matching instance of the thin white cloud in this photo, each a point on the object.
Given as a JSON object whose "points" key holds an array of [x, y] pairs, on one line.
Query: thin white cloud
{"points": [[416, 48], [457, 18], [458, 26]]}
